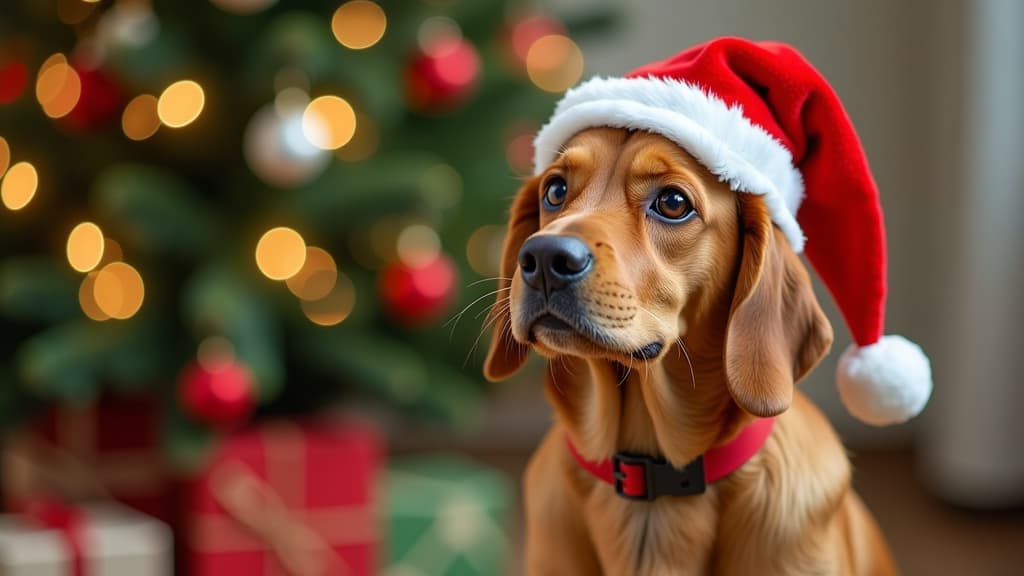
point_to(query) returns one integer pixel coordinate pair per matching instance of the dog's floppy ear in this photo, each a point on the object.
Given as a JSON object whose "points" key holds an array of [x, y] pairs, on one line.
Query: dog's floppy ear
{"points": [[506, 355], [777, 331]]}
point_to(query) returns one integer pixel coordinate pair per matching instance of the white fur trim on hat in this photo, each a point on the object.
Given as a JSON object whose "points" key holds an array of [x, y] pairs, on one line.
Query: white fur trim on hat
{"points": [[887, 382], [728, 144]]}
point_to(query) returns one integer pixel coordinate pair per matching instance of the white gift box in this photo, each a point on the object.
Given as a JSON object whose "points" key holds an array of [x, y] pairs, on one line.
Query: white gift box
{"points": [[116, 541]]}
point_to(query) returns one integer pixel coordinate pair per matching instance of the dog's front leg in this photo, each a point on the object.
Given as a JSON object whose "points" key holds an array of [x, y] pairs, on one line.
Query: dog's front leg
{"points": [[557, 541]]}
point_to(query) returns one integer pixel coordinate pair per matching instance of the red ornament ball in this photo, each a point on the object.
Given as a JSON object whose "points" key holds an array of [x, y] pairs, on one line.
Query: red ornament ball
{"points": [[13, 80], [100, 102], [443, 76], [221, 394], [418, 294]]}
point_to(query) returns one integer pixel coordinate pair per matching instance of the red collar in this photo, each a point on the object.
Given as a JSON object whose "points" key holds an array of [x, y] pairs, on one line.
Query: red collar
{"points": [[638, 477]]}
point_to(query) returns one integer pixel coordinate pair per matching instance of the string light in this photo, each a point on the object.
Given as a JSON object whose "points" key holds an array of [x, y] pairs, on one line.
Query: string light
{"points": [[58, 86], [483, 250], [85, 247], [140, 119], [417, 245], [118, 290], [280, 253], [87, 298], [5, 156], [181, 103], [554, 63], [334, 308], [19, 186], [359, 24], [329, 122], [316, 278]]}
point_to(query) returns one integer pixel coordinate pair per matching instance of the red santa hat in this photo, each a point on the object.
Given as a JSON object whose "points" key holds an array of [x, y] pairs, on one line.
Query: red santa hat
{"points": [[760, 117]]}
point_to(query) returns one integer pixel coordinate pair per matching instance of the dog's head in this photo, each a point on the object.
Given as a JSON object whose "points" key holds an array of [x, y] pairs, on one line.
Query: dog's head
{"points": [[625, 246]]}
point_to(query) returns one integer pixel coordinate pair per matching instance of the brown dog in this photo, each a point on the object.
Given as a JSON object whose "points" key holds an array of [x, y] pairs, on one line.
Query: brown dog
{"points": [[672, 313]]}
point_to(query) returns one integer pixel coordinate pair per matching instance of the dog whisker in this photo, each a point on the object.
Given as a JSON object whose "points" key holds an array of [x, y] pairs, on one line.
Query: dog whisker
{"points": [[491, 279], [454, 321], [682, 346], [497, 311]]}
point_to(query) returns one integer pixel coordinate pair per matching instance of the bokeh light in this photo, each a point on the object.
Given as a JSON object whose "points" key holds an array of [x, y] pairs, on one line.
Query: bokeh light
{"points": [[529, 30], [215, 352], [181, 103], [383, 236], [329, 122], [280, 253], [85, 246], [119, 290], [19, 186], [58, 86], [5, 156], [359, 24], [333, 308], [483, 250], [554, 63], [417, 245], [436, 33], [111, 251], [87, 298], [316, 278], [363, 143], [140, 119]]}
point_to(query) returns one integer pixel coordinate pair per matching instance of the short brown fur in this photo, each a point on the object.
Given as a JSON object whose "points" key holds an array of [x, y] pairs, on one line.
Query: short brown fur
{"points": [[727, 286]]}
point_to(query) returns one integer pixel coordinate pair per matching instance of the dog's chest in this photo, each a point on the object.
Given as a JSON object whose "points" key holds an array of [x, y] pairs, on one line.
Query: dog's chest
{"points": [[667, 536]]}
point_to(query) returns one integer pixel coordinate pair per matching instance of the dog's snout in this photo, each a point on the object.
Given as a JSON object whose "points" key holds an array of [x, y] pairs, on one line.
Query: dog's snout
{"points": [[551, 262]]}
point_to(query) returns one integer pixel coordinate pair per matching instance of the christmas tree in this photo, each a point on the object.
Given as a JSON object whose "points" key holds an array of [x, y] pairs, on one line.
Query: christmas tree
{"points": [[251, 206]]}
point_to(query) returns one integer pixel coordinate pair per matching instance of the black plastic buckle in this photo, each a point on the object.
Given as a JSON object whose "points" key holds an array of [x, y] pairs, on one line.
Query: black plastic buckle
{"points": [[660, 478]]}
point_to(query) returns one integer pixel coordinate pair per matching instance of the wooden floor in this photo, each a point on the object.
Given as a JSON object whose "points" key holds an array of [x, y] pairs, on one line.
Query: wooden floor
{"points": [[927, 537]]}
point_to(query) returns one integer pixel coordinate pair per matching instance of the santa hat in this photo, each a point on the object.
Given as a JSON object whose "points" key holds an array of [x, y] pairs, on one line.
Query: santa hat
{"points": [[760, 117]]}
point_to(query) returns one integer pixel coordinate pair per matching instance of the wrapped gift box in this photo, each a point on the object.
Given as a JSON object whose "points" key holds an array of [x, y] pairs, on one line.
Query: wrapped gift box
{"points": [[108, 540], [109, 449], [446, 516], [287, 499]]}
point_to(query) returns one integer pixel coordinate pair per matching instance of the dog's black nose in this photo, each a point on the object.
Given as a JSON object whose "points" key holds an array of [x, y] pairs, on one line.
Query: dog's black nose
{"points": [[550, 262]]}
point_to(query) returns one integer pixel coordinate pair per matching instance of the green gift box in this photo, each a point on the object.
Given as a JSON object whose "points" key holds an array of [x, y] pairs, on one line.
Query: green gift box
{"points": [[446, 516]]}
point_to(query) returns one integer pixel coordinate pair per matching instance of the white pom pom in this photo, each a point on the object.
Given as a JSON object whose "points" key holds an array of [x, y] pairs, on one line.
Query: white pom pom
{"points": [[887, 382]]}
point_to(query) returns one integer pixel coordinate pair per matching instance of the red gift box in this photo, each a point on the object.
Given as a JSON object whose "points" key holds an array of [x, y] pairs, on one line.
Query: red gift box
{"points": [[106, 449], [287, 499]]}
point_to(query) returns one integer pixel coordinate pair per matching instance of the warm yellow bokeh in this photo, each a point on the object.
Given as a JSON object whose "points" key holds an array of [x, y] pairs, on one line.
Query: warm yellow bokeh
{"points": [[85, 246], [554, 63], [317, 277], [58, 86], [181, 103], [5, 156], [119, 290], [359, 24], [417, 245], [333, 308], [19, 186], [280, 253], [483, 250], [329, 122], [87, 298], [140, 119]]}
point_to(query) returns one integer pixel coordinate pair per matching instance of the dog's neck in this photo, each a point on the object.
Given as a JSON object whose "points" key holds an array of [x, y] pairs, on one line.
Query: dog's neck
{"points": [[658, 408]]}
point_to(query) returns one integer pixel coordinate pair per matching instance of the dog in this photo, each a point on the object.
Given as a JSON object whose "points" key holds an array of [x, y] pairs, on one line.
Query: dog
{"points": [[672, 314]]}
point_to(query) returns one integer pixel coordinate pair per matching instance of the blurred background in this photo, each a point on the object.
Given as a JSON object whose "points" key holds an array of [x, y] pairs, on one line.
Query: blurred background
{"points": [[247, 249]]}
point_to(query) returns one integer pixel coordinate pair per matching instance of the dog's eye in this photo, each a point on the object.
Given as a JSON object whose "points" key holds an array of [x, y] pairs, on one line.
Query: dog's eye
{"points": [[672, 204], [555, 191]]}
